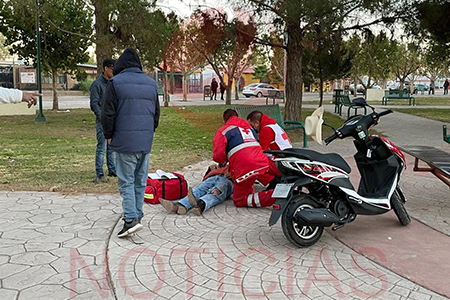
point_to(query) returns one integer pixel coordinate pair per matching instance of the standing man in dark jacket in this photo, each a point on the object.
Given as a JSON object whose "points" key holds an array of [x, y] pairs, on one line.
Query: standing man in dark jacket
{"points": [[214, 86], [96, 94], [222, 89], [130, 115]]}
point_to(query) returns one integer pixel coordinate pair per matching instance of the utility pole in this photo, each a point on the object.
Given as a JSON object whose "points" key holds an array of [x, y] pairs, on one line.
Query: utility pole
{"points": [[40, 118]]}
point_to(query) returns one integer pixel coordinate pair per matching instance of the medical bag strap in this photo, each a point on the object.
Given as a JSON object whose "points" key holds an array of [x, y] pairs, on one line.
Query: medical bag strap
{"points": [[181, 187], [164, 188]]}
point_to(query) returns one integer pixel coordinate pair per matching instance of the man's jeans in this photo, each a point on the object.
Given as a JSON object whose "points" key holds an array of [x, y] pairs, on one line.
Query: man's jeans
{"points": [[132, 171], [204, 189], [103, 146]]}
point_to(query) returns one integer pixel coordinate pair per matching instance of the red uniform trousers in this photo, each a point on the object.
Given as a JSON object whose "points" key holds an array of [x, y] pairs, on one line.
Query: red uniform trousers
{"points": [[244, 194]]}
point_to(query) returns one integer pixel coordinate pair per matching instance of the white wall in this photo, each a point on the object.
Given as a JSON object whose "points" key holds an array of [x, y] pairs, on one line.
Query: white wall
{"points": [[15, 109], [374, 95]]}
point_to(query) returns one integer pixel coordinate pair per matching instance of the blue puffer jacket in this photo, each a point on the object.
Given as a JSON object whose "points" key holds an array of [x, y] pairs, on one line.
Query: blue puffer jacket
{"points": [[130, 111]]}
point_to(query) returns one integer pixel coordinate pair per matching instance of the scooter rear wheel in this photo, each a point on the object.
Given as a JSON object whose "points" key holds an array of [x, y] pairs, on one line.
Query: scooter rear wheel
{"points": [[399, 208], [299, 234]]}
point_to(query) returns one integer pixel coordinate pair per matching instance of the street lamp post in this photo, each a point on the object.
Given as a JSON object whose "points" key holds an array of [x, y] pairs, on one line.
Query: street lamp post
{"points": [[40, 118]]}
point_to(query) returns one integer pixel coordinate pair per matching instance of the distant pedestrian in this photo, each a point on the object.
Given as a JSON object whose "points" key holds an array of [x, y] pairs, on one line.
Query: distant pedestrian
{"points": [[96, 95], [222, 89], [446, 83], [431, 90], [130, 115], [214, 87], [16, 96]]}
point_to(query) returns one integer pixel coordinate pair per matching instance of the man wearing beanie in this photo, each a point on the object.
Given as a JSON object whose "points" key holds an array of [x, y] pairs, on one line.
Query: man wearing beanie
{"points": [[130, 115]]}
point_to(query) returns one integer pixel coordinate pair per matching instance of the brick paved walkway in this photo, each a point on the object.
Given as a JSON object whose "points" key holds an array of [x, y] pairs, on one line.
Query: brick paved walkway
{"points": [[56, 246]]}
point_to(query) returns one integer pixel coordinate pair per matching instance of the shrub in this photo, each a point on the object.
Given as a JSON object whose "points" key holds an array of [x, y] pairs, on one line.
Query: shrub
{"points": [[83, 86]]}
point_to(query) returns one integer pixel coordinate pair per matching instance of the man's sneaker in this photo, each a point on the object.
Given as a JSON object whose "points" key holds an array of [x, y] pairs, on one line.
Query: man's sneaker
{"points": [[130, 227], [112, 173], [99, 179]]}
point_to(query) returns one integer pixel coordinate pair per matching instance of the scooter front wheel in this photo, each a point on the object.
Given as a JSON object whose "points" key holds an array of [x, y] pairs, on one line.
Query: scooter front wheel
{"points": [[399, 208], [301, 235]]}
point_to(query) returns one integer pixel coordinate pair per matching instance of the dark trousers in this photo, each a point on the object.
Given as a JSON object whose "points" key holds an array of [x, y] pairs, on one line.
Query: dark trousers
{"points": [[214, 94]]}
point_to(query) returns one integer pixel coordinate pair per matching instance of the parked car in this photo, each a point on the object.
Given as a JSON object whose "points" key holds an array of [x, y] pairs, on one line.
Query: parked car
{"points": [[258, 90], [420, 87], [360, 87], [396, 85]]}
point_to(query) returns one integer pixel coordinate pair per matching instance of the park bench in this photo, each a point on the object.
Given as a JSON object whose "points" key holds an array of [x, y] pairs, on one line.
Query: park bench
{"points": [[344, 100], [274, 112], [271, 94], [445, 136], [398, 94], [438, 161], [336, 101]]}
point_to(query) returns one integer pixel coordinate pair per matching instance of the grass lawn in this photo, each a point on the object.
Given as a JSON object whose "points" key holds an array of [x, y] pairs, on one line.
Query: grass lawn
{"points": [[437, 114], [59, 155], [420, 101]]}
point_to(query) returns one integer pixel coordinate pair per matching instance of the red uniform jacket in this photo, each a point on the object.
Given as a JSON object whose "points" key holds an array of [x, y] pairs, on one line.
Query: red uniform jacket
{"points": [[237, 142], [272, 136]]}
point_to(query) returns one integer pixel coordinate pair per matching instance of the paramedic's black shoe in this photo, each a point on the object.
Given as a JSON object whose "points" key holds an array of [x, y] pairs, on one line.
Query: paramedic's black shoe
{"points": [[130, 227], [273, 183], [99, 179], [112, 173]]}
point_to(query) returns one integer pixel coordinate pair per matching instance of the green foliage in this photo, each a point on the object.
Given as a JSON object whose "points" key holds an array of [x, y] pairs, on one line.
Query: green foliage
{"points": [[83, 86], [404, 60], [152, 37], [65, 32], [261, 72], [132, 23], [293, 19], [433, 17], [325, 57], [374, 56], [3, 47]]}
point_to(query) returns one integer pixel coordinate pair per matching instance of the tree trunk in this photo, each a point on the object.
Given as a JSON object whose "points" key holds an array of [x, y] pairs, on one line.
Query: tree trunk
{"points": [[294, 81], [228, 95], [184, 85], [166, 88], [104, 48], [236, 92], [320, 91], [55, 92]]}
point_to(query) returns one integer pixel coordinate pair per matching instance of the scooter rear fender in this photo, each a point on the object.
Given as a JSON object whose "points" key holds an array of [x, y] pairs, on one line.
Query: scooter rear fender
{"points": [[282, 203]]}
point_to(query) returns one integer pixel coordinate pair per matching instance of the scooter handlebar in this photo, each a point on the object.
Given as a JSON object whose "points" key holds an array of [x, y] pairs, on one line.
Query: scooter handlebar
{"points": [[386, 112], [331, 138]]}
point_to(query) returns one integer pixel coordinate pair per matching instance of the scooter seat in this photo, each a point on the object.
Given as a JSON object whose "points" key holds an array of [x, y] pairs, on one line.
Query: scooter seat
{"points": [[333, 159]]}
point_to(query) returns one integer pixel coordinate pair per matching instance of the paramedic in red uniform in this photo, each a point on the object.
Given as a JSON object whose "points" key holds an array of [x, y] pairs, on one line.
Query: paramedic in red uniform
{"points": [[237, 143], [271, 136]]}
